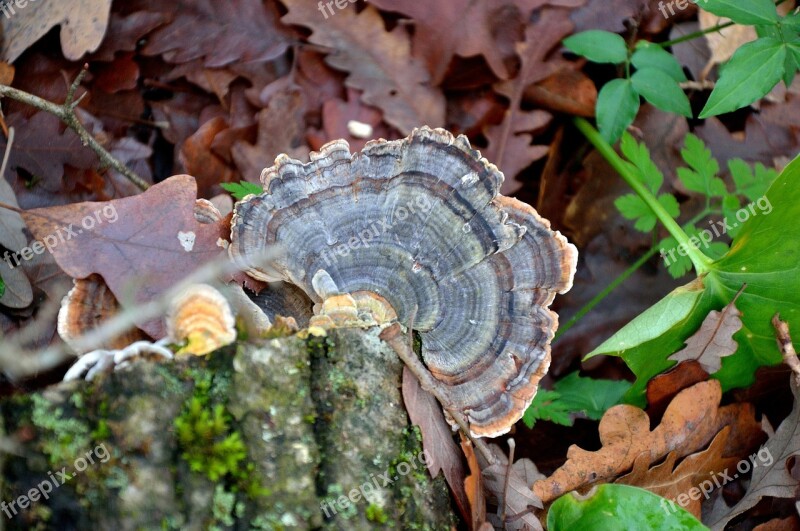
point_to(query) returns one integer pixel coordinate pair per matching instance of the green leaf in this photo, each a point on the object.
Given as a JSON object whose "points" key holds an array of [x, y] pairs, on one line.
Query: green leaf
{"points": [[653, 322], [617, 105], [590, 396], [670, 204], [649, 55], [573, 395], [765, 254], [749, 183], [752, 72], [633, 207], [2, 287], [638, 154], [677, 265], [242, 189], [612, 506], [701, 177], [598, 46], [661, 90], [750, 12], [546, 406]]}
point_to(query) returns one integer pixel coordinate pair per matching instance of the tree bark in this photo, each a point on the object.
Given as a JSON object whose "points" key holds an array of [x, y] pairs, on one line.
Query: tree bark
{"points": [[288, 434]]}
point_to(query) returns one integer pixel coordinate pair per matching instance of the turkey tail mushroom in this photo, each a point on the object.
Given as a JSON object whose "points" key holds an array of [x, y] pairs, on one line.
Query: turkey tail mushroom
{"points": [[418, 224]]}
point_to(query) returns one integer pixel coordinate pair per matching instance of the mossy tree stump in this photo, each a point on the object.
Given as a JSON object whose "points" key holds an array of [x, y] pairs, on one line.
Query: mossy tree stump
{"points": [[270, 436]]}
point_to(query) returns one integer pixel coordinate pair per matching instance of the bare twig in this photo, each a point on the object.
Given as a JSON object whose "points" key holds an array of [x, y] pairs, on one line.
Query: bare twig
{"points": [[786, 346], [8, 152], [66, 113], [512, 445], [393, 336], [16, 363]]}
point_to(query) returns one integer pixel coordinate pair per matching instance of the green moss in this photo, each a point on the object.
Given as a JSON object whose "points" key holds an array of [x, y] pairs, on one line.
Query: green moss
{"points": [[376, 514], [62, 439], [209, 443], [102, 431]]}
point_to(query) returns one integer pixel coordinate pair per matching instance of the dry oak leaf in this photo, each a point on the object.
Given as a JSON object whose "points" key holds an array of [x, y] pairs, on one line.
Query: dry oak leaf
{"points": [[442, 453], [521, 503], [689, 423], [379, 62], [83, 25], [219, 32], [141, 245], [771, 478], [510, 142], [695, 470], [281, 129], [481, 24], [42, 148], [713, 340]]}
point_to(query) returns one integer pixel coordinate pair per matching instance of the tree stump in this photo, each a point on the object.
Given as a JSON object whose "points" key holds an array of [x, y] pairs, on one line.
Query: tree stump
{"points": [[287, 434]]}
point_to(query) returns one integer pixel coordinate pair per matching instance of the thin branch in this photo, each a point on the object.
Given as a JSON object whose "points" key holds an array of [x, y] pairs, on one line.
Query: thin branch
{"points": [[16, 363], [66, 113]]}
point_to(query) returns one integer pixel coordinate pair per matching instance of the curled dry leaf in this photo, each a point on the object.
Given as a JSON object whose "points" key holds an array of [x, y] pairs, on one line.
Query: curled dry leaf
{"points": [[714, 339], [378, 62], [83, 25], [771, 478], [512, 486], [441, 451], [689, 423], [669, 481], [141, 245]]}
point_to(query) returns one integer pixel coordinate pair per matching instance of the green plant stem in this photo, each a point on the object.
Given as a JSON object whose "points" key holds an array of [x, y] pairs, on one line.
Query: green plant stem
{"points": [[700, 261], [589, 306]]}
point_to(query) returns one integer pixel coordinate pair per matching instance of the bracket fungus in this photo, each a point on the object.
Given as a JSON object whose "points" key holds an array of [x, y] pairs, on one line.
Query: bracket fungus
{"points": [[415, 230]]}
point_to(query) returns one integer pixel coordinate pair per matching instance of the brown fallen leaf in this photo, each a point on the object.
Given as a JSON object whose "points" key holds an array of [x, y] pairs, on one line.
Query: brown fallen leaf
{"points": [[473, 486], [512, 486], [510, 142], [480, 19], [696, 470], [663, 387], [219, 33], [42, 146], [724, 42], [771, 476], [688, 425], [377, 60], [281, 129], [199, 160], [140, 245], [790, 523], [714, 339], [83, 25], [441, 451]]}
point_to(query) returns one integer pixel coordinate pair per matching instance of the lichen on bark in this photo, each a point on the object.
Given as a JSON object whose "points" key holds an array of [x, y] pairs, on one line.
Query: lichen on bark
{"points": [[318, 420]]}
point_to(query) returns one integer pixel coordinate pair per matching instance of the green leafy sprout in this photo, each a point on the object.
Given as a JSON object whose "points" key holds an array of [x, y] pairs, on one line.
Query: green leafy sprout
{"points": [[753, 70], [242, 189]]}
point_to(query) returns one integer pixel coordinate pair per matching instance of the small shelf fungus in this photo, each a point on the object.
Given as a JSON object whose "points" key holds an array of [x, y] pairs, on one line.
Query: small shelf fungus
{"points": [[415, 230]]}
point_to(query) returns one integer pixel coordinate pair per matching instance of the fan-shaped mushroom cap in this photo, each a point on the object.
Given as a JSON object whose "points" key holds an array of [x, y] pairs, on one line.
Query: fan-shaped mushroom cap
{"points": [[202, 317], [419, 222]]}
